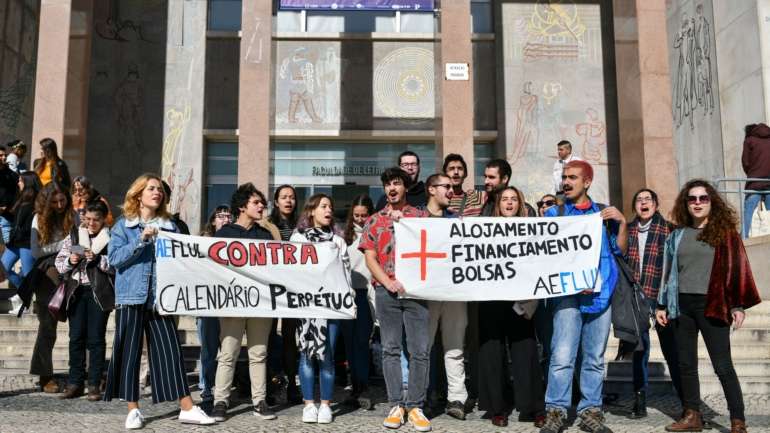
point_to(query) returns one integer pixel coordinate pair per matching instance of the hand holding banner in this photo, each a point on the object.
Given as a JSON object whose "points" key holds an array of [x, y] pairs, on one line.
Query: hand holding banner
{"points": [[482, 259], [215, 277]]}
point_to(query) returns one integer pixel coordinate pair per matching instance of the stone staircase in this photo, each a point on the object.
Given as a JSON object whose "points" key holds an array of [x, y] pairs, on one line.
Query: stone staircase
{"points": [[750, 352], [750, 348], [17, 339]]}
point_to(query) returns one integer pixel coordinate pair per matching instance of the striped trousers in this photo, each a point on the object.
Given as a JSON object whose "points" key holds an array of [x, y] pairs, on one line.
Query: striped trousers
{"points": [[167, 375]]}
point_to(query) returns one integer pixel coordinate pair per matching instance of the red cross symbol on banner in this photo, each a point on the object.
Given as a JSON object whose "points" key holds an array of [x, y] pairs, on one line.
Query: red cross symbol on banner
{"points": [[423, 255]]}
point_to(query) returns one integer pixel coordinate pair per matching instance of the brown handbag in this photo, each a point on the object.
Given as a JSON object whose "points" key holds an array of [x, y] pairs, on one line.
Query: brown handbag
{"points": [[57, 306]]}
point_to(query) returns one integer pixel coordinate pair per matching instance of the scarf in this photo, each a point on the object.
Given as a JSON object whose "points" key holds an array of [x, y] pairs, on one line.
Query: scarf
{"points": [[651, 257], [312, 333]]}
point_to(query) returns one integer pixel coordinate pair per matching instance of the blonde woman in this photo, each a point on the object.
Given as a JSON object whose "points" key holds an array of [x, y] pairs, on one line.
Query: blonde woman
{"points": [[131, 252]]}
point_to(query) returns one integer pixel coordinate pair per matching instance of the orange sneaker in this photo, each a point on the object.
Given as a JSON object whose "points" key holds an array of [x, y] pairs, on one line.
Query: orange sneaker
{"points": [[418, 420], [395, 418]]}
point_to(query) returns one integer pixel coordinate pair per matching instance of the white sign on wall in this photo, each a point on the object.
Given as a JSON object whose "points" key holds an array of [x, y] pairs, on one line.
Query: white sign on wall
{"points": [[457, 72]]}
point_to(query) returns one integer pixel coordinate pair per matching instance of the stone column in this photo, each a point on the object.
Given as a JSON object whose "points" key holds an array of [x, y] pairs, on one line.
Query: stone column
{"points": [[182, 159], [454, 108], [254, 94], [655, 91], [51, 77]]}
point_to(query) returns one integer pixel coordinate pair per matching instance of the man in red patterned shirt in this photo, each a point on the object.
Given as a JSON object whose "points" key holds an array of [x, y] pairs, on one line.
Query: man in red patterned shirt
{"points": [[396, 314]]}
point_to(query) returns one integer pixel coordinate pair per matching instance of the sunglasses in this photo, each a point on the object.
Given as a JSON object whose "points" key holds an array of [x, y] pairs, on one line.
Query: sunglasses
{"points": [[693, 199], [546, 203]]}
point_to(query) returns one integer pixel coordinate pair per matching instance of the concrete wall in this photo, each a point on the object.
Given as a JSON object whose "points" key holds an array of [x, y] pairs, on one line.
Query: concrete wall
{"points": [[554, 89], [18, 49], [740, 76], [126, 95], [182, 161], [695, 88]]}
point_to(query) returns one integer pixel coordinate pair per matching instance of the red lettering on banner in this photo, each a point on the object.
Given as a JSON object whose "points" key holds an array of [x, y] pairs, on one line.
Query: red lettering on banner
{"points": [[274, 247], [257, 254], [242, 254], [288, 254], [214, 250], [308, 252], [423, 255]]}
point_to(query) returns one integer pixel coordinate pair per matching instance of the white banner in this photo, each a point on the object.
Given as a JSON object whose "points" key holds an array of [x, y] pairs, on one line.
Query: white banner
{"points": [[482, 259], [204, 276]]}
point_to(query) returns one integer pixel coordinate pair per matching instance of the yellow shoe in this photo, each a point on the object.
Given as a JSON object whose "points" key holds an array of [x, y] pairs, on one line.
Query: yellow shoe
{"points": [[418, 420], [395, 417]]}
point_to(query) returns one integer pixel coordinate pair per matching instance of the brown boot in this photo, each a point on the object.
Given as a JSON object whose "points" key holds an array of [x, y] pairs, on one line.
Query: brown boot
{"points": [[691, 421], [72, 391], [737, 426], [48, 385], [94, 393]]}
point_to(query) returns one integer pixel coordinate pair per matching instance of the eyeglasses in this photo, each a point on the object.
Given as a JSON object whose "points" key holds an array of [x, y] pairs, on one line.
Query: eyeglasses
{"points": [[409, 164], [546, 203], [445, 185], [224, 216], [695, 199], [642, 200]]}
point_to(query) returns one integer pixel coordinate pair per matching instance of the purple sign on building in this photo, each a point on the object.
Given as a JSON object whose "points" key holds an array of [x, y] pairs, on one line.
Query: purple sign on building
{"points": [[408, 5]]}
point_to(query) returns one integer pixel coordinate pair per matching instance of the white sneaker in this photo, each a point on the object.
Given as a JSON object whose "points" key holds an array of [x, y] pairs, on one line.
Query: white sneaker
{"points": [[325, 414], [15, 305], [134, 420], [195, 415], [310, 413]]}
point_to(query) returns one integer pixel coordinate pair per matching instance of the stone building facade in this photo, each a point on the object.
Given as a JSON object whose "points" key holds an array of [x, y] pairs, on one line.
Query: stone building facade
{"points": [[211, 93]]}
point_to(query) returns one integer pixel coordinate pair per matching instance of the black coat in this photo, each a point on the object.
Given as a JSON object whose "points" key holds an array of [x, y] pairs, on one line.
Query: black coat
{"points": [[102, 283], [9, 187]]}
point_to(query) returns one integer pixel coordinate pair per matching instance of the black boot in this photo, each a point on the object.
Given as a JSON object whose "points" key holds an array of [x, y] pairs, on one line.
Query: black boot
{"points": [[640, 405]]}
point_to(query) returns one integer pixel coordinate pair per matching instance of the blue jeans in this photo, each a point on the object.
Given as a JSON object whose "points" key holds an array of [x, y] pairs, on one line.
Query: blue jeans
{"points": [[208, 334], [326, 373], [13, 255], [749, 205], [5, 229], [572, 330], [356, 334]]}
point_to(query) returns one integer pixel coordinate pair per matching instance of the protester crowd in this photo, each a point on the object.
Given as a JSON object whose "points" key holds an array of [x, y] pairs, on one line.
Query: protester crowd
{"points": [[78, 263]]}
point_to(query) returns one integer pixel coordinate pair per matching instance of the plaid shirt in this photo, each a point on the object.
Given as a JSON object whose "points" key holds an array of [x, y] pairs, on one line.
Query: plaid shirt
{"points": [[652, 265]]}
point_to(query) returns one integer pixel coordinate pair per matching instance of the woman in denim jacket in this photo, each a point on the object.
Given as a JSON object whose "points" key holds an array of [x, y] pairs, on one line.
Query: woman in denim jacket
{"points": [[132, 253], [708, 285]]}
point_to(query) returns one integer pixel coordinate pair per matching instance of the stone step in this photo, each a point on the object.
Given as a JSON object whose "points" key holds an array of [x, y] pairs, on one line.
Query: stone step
{"points": [[660, 369], [29, 320], [24, 351], [708, 385], [25, 335], [62, 363], [741, 350]]}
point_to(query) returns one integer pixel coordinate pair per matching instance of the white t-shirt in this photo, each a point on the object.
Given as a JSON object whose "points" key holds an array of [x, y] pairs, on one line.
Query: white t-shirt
{"points": [[558, 168]]}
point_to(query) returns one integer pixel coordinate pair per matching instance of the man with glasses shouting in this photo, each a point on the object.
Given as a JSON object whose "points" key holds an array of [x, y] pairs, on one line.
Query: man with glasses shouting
{"points": [[415, 193]]}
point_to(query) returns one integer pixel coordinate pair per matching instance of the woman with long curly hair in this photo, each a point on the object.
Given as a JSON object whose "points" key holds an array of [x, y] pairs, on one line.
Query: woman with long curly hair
{"points": [[504, 323], [707, 287], [131, 251], [51, 224]]}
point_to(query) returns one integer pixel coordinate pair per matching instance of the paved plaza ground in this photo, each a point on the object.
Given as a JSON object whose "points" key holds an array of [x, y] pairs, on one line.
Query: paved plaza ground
{"points": [[45, 413]]}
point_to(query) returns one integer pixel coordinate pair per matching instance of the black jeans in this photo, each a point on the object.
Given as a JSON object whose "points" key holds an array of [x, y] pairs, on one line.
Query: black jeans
{"points": [[716, 335], [88, 324]]}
